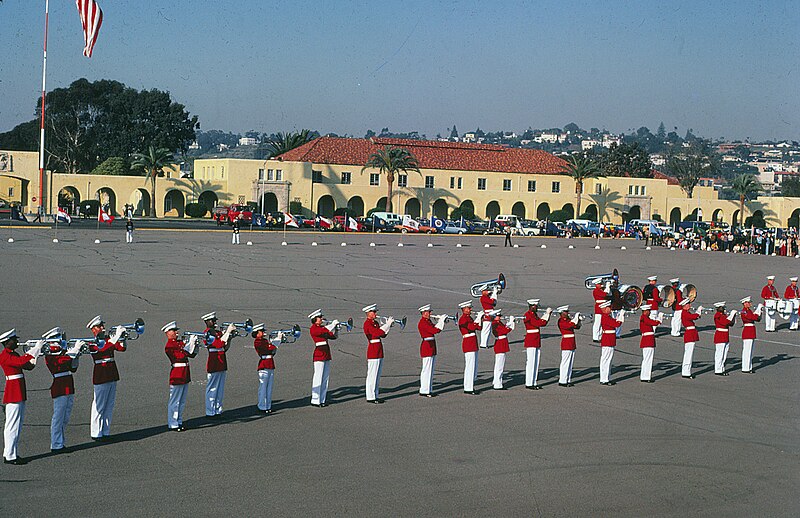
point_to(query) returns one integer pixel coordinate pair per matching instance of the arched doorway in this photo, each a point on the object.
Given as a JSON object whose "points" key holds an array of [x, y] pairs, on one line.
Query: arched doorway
{"points": [[355, 206], [591, 212], [467, 209], [107, 199], [518, 210], [794, 219], [675, 216], [140, 200], [492, 210], [718, 216], [208, 199], [381, 205], [174, 203], [635, 212], [325, 206], [736, 221], [269, 202], [69, 199], [440, 209], [543, 211], [412, 207], [756, 220], [569, 210]]}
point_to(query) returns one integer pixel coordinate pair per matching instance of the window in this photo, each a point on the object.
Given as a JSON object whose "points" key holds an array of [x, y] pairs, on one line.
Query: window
{"points": [[260, 175], [316, 176], [531, 185], [10, 192], [429, 182], [598, 189], [452, 182], [374, 179], [402, 180], [222, 172], [459, 182], [556, 186], [643, 190], [279, 174], [270, 175], [481, 184], [636, 190], [506, 185], [630, 190], [346, 179]]}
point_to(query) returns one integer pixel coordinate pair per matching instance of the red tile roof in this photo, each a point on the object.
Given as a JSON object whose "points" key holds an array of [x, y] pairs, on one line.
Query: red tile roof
{"points": [[671, 180], [431, 154]]}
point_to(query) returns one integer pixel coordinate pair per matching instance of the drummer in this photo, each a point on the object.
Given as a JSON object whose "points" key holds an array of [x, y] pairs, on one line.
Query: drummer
{"points": [[769, 294], [792, 294]]}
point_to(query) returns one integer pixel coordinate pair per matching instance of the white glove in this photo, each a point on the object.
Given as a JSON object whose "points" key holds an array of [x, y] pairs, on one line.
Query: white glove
{"points": [[547, 313], [512, 323], [699, 310], [226, 336], [576, 318], [192, 345], [277, 341], [36, 350], [387, 325], [759, 309], [118, 332], [332, 326], [660, 317], [75, 350], [478, 317], [732, 315], [494, 292], [440, 321], [621, 317]]}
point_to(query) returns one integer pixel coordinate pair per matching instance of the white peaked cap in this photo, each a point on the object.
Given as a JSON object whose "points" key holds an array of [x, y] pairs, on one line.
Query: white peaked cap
{"points": [[493, 312], [533, 302], [426, 307], [793, 279], [56, 331], [719, 304], [371, 307], [605, 304], [258, 327], [316, 313], [685, 302], [561, 309], [770, 277], [209, 316], [466, 304], [169, 325], [746, 299], [653, 278], [673, 281], [96, 321], [11, 333]]}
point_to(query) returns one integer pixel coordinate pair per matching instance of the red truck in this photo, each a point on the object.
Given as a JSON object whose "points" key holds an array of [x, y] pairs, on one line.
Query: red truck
{"points": [[226, 215]]}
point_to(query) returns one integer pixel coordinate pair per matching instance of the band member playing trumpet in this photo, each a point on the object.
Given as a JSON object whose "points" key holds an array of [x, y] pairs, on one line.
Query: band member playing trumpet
{"points": [[600, 295], [677, 308], [533, 341], [374, 332], [722, 324], [178, 353], [792, 293], [567, 327], [770, 296], [61, 363], [488, 302], [501, 331], [427, 348], [15, 394], [690, 336], [218, 344], [322, 357], [749, 319], [609, 340], [266, 366], [105, 375], [647, 343], [469, 345]]}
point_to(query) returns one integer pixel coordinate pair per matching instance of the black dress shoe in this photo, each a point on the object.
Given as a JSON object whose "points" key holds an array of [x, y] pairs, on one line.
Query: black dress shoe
{"points": [[471, 392], [537, 387], [268, 411], [749, 372], [375, 401], [563, 384], [97, 439], [19, 461], [530, 387], [688, 377], [501, 388], [570, 384]]}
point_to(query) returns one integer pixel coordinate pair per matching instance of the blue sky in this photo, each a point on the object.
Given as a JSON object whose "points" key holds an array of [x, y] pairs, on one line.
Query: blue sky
{"points": [[722, 68]]}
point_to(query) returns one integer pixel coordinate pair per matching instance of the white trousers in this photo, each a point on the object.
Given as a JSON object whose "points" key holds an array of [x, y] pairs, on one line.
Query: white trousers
{"points": [[720, 355], [470, 370], [769, 319], [531, 366], [215, 392], [235, 238], [647, 363], [62, 409], [499, 366], [565, 369], [374, 367], [319, 383], [486, 331], [676, 322], [688, 352], [597, 331], [793, 320], [426, 375], [265, 380], [606, 354], [176, 404], [747, 354], [129, 236], [15, 414], [103, 408]]}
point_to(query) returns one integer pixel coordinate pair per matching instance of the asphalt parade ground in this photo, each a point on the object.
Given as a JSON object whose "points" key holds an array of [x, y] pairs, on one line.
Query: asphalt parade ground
{"points": [[711, 446]]}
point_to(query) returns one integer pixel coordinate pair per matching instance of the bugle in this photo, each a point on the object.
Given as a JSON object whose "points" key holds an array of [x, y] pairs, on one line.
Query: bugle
{"points": [[347, 324], [132, 331], [478, 287], [602, 278], [49, 342], [399, 321], [85, 347], [453, 317], [205, 338], [242, 328], [288, 336]]}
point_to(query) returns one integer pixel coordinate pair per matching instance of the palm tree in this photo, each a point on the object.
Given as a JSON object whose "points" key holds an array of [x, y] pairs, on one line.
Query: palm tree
{"points": [[580, 168], [283, 142], [153, 163], [745, 186], [605, 200], [392, 160]]}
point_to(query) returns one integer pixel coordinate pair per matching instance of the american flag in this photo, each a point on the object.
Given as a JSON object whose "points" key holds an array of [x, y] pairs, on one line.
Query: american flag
{"points": [[91, 20]]}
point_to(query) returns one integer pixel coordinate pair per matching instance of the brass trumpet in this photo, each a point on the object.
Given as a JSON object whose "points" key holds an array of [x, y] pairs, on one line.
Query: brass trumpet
{"points": [[289, 336], [347, 324], [30, 344], [241, 327], [205, 339], [401, 322]]}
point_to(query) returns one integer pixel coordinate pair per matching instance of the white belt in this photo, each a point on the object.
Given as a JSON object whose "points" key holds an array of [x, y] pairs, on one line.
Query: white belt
{"points": [[375, 341], [599, 301], [568, 336], [689, 327], [468, 335], [502, 337], [62, 374], [721, 330], [15, 377], [180, 364], [104, 360], [216, 349], [648, 333], [609, 331], [530, 331], [429, 339], [266, 357], [321, 343], [751, 325]]}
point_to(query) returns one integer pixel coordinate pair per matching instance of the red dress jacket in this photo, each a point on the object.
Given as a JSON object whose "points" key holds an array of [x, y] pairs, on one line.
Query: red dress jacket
{"points": [[567, 328], [654, 300], [105, 367], [722, 324], [500, 331], [374, 333], [61, 367], [690, 334], [749, 320], [13, 365], [647, 326], [217, 361], [321, 335], [487, 303], [467, 326], [677, 306], [533, 336], [265, 351], [179, 361], [427, 331], [791, 292], [599, 295], [769, 292], [609, 325]]}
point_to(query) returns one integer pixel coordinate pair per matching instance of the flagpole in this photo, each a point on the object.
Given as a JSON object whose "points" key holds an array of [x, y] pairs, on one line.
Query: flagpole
{"points": [[44, 89]]}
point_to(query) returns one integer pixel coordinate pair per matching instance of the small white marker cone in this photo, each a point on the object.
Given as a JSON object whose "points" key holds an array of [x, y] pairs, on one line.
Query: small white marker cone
{"points": [[372, 244], [516, 246], [313, 243], [648, 248], [597, 247], [55, 240], [458, 245], [399, 244], [570, 247], [543, 246], [249, 243], [623, 248], [486, 245], [673, 248], [97, 241], [430, 245], [283, 243], [344, 244], [10, 239]]}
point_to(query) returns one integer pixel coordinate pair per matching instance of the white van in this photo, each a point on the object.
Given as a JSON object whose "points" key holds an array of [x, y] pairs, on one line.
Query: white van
{"points": [[644, 223], [390, 218], [580, 222], [506, 219]]}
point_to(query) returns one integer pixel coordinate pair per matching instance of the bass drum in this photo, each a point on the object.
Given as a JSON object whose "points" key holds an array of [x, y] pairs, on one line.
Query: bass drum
{"points": [[689, 291], [632, 297]]}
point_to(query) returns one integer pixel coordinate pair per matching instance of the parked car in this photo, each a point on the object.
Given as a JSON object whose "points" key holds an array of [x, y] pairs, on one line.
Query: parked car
{"points": [[504, 220], [378, 224], [528, 228], [477, 227], [455, 227], [223, 214]]}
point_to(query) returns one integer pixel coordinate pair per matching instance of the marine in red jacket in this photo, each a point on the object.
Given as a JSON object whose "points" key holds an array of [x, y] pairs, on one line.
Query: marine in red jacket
{"points": [[320, 335], [105, 375], [15, 394], [690, 336], [792, 292], [375, 332], [608, 342], [770, 296], [722, 324], [61, 363], [647, 328], [266, 350], [427, 348], [467, 326], [652, 297], [501, 331], [567, 327], [178, 353], [599, 295], [217, 344], [749, 319], [488, 301]]}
